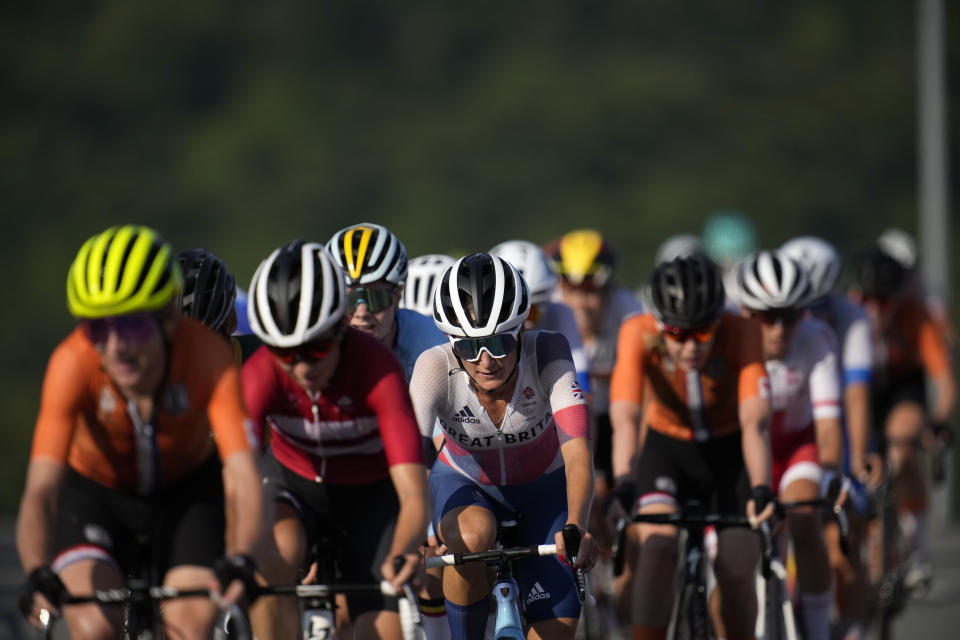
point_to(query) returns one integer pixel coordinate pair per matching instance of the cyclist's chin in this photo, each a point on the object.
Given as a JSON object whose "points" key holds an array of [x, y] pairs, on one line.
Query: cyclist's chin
{"points": [[127, 374]]}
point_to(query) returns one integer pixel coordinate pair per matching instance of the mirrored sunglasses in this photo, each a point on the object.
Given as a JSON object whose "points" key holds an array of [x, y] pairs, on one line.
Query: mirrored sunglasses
{"points": [[786, 317], [499, 345], [133, 329], [312, 351], [376, 299], [700, 334]]}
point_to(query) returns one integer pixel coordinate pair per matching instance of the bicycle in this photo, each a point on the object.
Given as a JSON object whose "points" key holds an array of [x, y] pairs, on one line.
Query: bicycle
{"points": [[508, 620]]}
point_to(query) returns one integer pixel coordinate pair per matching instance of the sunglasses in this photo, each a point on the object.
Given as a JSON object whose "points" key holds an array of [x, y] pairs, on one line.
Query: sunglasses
{"points": [[786, 317], [132, 329], [499, 345], [376, 299], [700, 334], [312, 351]]}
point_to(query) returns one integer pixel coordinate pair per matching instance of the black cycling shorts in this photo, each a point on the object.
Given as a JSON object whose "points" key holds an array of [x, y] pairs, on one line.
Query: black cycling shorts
{"points": [[603, 447], [884, 396], [676, 471], [182, 524], [352, 523]]}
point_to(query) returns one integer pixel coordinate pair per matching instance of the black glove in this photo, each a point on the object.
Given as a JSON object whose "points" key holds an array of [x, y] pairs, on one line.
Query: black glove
{"points": [[762, 496], [626, 494], [242, 568], [831, 484], [46, 582]]}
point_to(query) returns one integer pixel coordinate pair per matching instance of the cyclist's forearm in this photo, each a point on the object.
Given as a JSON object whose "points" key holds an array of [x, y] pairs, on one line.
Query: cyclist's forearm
{"points": [[946, 396], [829, 442], [756, 453], [243, 497], [856, 402], [410, 482], [37, 517], [579, 473], [625, 419]]}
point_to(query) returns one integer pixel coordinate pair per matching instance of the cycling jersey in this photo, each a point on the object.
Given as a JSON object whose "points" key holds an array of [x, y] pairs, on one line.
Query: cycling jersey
{"points": [[852, 328], [556, 316], [911, 342], [86, 422], [601, 350], [415, 334], [547, 409], [352, 431], [692, 405]]}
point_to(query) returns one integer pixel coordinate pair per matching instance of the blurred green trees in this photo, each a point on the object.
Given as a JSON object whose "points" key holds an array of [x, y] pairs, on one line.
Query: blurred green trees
{"points": [[240, 125]]}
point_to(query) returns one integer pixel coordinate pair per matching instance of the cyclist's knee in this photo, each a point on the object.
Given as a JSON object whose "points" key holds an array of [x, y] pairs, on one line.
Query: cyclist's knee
{"points": [[468, 530]]}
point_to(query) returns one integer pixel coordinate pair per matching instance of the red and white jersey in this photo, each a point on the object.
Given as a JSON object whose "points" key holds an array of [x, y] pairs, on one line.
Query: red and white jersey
{"points": [[547, 409], [353, 431], [806, 384]]}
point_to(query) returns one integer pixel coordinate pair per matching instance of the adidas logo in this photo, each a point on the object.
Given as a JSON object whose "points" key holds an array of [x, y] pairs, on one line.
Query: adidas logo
{"points": [[537, 593], [465, 415]]}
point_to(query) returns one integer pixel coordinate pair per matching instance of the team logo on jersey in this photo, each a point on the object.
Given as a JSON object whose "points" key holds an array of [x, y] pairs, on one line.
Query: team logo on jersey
{"points": [[108, 401], [763, 385], [577, 391], [528, 393], [95, 534], [176, 400], [537, 592], [465, 415]]}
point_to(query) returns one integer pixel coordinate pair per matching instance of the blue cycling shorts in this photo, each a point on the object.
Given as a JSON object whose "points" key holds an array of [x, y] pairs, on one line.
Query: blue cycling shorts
{"points": [[547, 587]]}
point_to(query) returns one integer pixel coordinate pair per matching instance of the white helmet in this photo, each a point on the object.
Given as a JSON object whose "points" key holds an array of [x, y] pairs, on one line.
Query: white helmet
{"points": [[533, 265], [480, 295], [899, 245], [772, 280], [296, 295], [681, 245], [821, 260], [369, 253], [423, 274]]}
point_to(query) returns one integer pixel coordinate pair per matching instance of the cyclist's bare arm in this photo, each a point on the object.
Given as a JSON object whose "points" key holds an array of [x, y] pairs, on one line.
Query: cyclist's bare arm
{"points": [[856, 405], [38, 509], [578, 466], [829, 441], [243, 493], [410, 482], [945, 392], [754, 425], [625, 418]]}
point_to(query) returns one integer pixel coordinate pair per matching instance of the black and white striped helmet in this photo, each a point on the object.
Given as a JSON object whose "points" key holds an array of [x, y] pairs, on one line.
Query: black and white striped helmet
{"points": [[772, 280], [533, 265], [821, 260], [296, 294], [480, 295], [368, 253], [423, 274]]}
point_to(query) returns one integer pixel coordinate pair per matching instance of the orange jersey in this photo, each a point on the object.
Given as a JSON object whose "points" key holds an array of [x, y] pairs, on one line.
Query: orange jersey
{"points": [[913, 341], [690, 405], [84, 421]]}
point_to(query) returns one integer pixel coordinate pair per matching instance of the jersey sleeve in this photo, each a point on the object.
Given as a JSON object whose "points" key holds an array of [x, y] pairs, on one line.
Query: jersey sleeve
{"points": [[60, 404], [934, 352], [390, 401], [232, 429], [825, 388], [626, 384], [753, 381], [428, 385], [259, 387], [559, 378], [857, 356]]}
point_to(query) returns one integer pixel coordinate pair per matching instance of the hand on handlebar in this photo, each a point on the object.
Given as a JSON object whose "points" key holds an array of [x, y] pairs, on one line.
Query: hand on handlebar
{"points": [[410, 572], [586, 555], [761, 505]]}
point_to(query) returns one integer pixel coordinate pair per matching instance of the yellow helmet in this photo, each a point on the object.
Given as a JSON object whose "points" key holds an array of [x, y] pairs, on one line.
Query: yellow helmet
{"points": [[583, 258], [125, 269]]}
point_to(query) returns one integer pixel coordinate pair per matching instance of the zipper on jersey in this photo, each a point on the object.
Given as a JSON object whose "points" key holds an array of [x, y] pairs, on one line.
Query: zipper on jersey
{"points": [[315, 410], [144, 436]]}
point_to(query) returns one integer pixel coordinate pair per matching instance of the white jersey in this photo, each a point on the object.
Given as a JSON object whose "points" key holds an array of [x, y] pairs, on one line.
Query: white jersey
{"points": [[547, 409], [601, 350], [852, 326], [559, 318], [805, 385]]}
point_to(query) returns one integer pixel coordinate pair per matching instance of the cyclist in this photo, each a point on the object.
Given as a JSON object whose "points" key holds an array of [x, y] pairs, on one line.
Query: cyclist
{"points": [[806, 435], [344, 459], [909, 349], [695, 376], [374, 263], [423, 273], [852, 327], [122, 448], [586, 264], [545, 314], [515, 443]]}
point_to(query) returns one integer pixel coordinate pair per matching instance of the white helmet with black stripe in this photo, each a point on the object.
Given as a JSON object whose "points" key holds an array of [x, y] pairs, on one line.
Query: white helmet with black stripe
{"points": [[296, 294], [368, 253], [821, 260], [423, 274], [533, 265], [479, 296], [772, 280]]}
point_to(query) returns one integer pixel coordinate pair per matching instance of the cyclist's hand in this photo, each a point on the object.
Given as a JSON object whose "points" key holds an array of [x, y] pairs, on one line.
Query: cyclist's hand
{"points": [[834, 487], [411, 571], [43, 591], [311, 576], [236, 578], [587, 554], [760, 506]]}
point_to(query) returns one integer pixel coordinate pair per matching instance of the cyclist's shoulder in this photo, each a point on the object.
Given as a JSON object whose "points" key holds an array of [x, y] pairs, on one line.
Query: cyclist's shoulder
{"points": [[364, 361], [417, 331]]}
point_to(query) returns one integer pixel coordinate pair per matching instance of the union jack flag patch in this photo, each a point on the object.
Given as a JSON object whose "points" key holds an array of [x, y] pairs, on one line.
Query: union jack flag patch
{"points": [[577, 391], [528, 393]]}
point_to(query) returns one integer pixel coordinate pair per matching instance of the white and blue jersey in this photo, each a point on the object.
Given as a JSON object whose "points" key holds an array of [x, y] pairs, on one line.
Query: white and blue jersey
{"points": [[415, 334], [852, 326], [559, 318]]}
